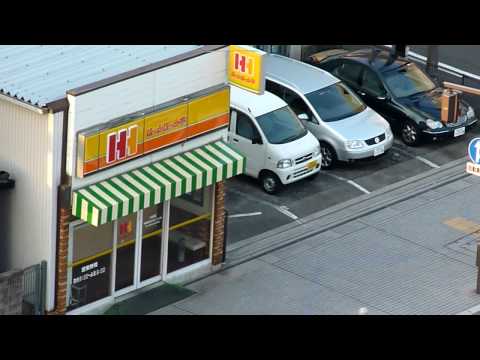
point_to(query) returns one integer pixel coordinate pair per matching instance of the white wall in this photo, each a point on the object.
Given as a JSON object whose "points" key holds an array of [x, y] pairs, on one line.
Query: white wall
{"points": [[129, 96], [28, 153]]}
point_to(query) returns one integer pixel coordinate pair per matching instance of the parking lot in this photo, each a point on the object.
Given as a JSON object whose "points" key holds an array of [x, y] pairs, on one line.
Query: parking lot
{"points": [[252, 212]]}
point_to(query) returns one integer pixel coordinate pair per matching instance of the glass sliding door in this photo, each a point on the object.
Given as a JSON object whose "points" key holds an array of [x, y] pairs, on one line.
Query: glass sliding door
{"points": [[125, 260], [150, 258]]}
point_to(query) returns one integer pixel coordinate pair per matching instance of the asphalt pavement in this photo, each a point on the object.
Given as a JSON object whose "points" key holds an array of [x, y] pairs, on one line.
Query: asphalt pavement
{"points": [[260, 212], [410, 256], [255, 212]]}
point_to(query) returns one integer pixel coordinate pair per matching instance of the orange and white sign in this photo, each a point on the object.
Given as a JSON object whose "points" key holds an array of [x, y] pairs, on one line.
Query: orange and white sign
{"points": [[245, 68], [109, 145], [473, 169], [165, 128]]}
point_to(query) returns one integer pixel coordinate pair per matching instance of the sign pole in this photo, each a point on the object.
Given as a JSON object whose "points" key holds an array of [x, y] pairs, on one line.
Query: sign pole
{"points": [[478, 267], [473, 168]]}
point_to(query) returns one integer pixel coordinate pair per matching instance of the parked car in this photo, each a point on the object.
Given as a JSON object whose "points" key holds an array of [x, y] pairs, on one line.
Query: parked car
{"points": [[278, 148], [397, 89], [346, 128]]}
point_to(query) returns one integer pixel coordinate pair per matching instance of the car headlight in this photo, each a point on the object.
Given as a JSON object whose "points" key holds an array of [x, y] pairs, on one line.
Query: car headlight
{"points": [[432, 124], [470, 112], [354, 144], [316, 152], [285, 163], [389, 132]]}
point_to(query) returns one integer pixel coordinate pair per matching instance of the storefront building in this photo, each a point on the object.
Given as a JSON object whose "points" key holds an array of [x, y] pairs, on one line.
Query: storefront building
{"points": [[140, 166]]}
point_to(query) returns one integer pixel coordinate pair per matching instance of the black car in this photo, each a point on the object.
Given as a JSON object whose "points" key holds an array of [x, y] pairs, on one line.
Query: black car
{"points": [[398, 90]]}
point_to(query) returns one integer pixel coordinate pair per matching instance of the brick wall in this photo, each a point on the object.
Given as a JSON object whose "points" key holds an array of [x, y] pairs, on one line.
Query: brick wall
{"points": [[219, 223], [62, 259], [11, 292]]}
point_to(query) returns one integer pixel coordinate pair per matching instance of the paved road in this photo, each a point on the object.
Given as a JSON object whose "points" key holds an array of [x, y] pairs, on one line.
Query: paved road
{"points": [[413, 257]]}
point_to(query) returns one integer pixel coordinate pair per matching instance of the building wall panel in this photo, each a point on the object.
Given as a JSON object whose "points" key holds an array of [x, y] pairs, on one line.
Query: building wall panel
{"points": [[25, 152], [141, 92]]}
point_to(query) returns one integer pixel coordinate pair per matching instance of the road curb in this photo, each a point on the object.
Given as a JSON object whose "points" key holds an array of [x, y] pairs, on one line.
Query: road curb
{"points": [[340, 214], [343, 213]]}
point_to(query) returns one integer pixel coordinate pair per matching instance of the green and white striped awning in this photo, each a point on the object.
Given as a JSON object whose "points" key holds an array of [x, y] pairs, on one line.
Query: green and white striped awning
{"points": [[141, 188]]}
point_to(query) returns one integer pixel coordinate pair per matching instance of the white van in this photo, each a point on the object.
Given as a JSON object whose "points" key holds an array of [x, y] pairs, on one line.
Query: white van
{"points": [[278, 148]]}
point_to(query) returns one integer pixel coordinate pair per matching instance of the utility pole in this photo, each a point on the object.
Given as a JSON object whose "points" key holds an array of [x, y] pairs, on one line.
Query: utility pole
{"points": [[432, 59]]}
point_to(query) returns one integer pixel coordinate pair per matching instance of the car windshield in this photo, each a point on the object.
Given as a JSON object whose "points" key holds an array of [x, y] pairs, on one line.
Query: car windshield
{"points": [[407, 81], [335, 102], [281, 126]]}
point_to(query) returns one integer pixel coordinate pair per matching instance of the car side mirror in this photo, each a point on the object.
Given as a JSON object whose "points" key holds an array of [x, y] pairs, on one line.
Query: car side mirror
{"points": [[303, 116], [257, 140]]}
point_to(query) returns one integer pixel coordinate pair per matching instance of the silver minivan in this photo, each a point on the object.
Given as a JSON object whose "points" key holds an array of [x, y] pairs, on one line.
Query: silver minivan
{"points": [[346, 127]]}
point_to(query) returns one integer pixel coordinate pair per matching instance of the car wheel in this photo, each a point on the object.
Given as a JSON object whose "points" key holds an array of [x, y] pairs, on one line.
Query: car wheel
{"points": [[271, 184], [411, 135], [329, 156]]}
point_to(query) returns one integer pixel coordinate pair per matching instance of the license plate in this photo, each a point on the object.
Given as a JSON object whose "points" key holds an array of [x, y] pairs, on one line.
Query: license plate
{"points": [[378, 151], [459, 132], [311, 165]]}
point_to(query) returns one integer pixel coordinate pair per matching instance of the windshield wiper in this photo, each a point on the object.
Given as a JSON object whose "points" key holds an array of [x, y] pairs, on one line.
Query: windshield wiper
{"points": [[291, 138]]}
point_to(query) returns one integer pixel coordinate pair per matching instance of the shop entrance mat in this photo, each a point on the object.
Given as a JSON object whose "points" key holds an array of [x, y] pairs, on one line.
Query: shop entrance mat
{"points": [[151, 300]]}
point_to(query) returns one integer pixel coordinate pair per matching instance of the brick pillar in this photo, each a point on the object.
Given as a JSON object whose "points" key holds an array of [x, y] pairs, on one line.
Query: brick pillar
{"points": [[218, 223], [65, 216]]}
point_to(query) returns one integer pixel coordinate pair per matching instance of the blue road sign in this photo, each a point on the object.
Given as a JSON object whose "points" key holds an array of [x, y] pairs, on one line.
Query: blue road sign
{"points": [[474, 150]]}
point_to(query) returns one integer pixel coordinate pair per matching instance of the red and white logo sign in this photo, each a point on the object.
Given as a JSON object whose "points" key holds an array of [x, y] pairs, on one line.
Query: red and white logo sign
{"points": [[122, 144], [243, 64]]}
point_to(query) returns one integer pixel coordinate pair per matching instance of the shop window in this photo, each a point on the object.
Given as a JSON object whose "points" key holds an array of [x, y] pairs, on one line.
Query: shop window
{"points": [[189, 235], [90, 266], [150, 263]]}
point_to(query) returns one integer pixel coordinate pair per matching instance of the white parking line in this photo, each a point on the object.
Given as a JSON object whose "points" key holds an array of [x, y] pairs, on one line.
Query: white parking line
{"points": [[359, 187], [471, 311], [245, 215], [351, 182], [428, 162], [284, 210]]}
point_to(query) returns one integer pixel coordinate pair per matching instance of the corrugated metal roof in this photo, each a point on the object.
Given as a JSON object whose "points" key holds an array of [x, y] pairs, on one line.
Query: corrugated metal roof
{"points": [[40, 74]]}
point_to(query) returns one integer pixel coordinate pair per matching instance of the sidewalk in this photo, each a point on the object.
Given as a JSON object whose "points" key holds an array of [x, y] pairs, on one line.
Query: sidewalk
{"points": [[391, 255]]}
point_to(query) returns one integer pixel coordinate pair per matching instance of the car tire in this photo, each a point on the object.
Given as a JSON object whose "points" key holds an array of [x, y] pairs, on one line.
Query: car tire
{"points": [[329, 156], [411, 134], [270, 182]]}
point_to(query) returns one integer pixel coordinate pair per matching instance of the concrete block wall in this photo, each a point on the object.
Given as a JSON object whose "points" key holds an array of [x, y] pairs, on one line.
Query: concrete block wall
{"points": [[11, 292]]}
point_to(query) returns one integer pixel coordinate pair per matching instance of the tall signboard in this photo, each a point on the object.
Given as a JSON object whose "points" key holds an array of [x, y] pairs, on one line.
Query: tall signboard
{"points": [[246, 68]]}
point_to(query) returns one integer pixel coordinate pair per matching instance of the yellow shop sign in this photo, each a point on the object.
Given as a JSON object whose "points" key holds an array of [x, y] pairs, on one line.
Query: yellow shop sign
{"points": [[245, 68], [113, 143]]}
